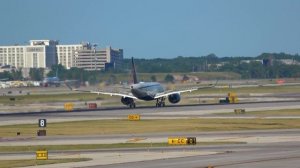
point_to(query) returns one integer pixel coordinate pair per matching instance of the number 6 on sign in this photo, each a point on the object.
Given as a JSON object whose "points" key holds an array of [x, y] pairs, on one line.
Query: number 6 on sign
{"points": [[42, 122]]}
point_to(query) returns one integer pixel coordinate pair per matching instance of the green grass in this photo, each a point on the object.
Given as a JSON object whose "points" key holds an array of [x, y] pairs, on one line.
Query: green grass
{"points": [[245, 90], [285, 112], [25, 99], [161, 76], [33, 162], [102, 127], [100, 146], [72, 97]]}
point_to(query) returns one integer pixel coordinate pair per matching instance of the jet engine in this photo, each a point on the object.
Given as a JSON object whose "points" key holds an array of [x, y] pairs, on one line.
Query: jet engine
{"points": [[174, 98], [126, 100]]}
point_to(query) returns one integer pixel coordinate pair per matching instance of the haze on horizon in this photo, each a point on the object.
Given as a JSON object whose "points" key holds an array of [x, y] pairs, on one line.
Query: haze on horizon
{"points": [[158, 29]]}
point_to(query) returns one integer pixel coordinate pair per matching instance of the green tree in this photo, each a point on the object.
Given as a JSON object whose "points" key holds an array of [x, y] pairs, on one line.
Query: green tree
{"points": [[36, 74], [153, 78], [58, 70], [5, 75]]}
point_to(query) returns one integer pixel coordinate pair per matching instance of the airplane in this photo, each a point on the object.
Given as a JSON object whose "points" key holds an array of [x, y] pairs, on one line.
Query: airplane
{"points": [[51, 81], [147, 91]]}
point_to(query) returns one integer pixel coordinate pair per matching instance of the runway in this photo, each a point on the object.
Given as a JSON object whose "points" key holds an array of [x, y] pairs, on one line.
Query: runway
{"points": [[253, 155], [259, 148], [169, 112], [248, 156]]}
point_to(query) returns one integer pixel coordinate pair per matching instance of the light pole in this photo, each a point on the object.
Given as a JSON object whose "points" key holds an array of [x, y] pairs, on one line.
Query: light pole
{"points": [[95, 57]]}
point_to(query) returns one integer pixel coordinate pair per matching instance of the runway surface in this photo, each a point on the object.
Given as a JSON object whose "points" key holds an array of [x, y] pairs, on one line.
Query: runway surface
{"points": [[264, 148], [241, 156], [268, 148], [170, 112]]}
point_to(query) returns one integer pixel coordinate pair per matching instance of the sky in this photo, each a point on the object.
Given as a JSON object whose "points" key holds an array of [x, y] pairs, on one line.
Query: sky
{"points": [[158, 28]]}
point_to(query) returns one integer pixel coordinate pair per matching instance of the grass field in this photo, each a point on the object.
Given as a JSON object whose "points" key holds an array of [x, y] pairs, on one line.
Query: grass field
{"points": [[260, 89], [285, 112], [33, 162], [101, 146], [161, 76], [73, 97], [25, 99], [101, 127]]}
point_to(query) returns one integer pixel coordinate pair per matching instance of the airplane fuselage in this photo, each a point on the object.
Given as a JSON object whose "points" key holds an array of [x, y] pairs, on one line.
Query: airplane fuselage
{"points": [[146, 90], [51, 81]]}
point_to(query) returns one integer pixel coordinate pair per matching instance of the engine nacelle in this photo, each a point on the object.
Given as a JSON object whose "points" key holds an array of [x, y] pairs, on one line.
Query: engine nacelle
{"points": [[126, 100], [174, 98]]}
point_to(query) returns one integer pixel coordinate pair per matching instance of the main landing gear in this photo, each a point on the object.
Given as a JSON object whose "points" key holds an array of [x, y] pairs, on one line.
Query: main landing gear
{"points": [[160, 102], [132, 105]]}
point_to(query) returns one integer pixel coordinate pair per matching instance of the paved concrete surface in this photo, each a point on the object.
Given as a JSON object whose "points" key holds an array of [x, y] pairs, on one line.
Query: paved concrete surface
{"points": [[280, 154], [276, 155], [264, 136], [263, 148], [269, 148], [171, 112]]}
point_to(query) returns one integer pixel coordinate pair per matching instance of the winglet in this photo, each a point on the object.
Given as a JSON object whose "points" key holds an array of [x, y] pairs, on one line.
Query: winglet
{"points": [[133, 72]]}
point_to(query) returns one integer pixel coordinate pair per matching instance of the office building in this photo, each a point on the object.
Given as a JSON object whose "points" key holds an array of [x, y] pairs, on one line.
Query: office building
{"points": [[39, 54], [65, 54], [45, 53], [93, 59]]}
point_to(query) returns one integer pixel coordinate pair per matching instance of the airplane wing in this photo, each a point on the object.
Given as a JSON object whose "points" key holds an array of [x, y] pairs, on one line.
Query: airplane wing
{"points": [[167, 93], [114, 94], [102, 92]]}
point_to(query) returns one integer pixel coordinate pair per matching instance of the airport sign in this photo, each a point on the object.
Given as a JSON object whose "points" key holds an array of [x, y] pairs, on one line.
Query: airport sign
{"points": [[134, 117], [42, 155], [69, 106], [182, 140], [42, 122]]}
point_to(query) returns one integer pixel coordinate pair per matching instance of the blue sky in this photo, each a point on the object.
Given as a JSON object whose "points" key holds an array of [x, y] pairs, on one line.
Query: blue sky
{"points": [[158, 28]]}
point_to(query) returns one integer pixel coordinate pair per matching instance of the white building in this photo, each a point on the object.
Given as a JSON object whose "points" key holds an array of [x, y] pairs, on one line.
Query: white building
{"points": [[65, 54], [39, 54], [45, 53]]}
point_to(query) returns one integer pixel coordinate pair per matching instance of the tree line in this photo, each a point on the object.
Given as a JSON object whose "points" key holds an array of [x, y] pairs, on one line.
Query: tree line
{"points": [[247, 67]]}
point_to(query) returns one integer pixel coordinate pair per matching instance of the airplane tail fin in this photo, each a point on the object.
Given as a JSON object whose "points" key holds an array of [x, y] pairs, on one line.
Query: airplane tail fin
{"points": [[133, 72]]}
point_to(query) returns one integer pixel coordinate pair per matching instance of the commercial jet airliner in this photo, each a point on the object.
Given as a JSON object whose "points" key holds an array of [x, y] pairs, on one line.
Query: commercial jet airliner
{"points": [[146, 91], [51, 81]]}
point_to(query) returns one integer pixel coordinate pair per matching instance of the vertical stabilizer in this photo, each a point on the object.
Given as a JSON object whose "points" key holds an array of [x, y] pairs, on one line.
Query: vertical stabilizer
{"points": [[133, 72]]}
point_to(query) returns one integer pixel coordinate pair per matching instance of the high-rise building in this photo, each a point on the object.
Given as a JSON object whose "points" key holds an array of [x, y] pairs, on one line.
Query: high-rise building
{"points": [[93, 59]]}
